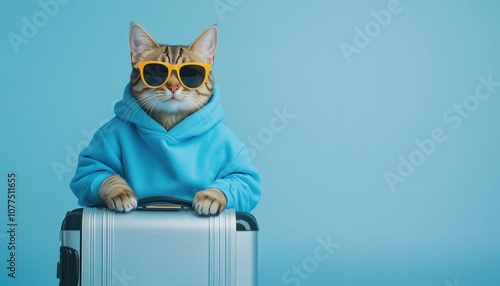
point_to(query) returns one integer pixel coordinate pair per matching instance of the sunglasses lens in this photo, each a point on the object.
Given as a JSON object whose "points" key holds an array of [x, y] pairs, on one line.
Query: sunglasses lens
{"points": [[192, 75], [155, 74]]}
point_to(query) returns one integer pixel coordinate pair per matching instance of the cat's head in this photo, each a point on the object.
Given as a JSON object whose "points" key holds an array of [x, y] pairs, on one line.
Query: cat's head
{"points": [[175, 97]]}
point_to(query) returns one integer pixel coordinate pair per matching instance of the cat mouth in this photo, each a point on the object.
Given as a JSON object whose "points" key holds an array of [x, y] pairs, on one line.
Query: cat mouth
{"points": [[171, 99], [167, 98]]}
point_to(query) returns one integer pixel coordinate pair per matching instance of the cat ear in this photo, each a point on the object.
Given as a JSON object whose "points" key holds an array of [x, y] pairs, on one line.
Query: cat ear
{"points": [[140, 41], [206, 43]]}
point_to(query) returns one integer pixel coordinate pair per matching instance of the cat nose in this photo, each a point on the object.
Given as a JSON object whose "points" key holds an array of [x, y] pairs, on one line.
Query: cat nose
{"points": [[173, 87]]}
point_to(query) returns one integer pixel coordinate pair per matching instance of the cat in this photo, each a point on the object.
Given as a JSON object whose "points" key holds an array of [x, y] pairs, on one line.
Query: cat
{"points": [[115, 190], [228, 179]]}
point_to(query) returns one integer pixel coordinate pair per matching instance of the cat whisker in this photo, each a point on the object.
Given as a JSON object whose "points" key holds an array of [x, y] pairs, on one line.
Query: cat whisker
{"points": [[198, 105], [132, 110], [145, 103]]}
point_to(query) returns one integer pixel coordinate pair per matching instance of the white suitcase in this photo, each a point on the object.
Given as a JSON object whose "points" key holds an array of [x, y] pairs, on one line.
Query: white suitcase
{"points": [[155, 245]]}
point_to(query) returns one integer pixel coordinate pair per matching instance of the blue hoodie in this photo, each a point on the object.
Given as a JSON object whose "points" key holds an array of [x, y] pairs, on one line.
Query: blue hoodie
{"points": [[200, 152]]}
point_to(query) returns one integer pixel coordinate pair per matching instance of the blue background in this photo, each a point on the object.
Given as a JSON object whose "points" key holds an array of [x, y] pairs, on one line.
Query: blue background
{"points": [[323, 172]]}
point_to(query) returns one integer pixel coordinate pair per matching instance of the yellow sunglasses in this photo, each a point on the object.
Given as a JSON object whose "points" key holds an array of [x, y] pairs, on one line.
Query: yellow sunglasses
{"points": [[155, 74]]}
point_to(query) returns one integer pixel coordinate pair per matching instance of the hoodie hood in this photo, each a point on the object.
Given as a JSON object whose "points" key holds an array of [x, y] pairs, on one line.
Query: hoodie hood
{"points": [[195, 124]]}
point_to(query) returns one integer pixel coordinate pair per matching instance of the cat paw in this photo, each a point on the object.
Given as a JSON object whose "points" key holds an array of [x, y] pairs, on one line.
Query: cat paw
{"points": [[122, 201], [209, 202], [117, 194]]}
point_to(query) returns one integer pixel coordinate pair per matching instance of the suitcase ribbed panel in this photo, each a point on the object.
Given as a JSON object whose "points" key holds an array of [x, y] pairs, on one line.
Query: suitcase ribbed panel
{"points": [[107, 241], [97, 254], [222, 243], [88, 233], [231, 247]]}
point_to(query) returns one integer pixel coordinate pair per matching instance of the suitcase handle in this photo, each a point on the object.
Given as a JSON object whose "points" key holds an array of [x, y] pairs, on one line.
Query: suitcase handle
{"points": [[164, 203]]}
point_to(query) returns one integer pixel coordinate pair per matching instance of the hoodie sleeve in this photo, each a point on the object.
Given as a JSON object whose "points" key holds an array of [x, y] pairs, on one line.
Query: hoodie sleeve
{"points": [[95, 163], [240, 182]]}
